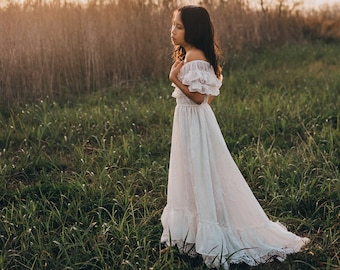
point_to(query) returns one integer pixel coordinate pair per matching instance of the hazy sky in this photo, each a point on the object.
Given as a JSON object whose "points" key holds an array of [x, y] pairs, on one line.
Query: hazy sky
{"points": [[306, 3], [317, 3]]}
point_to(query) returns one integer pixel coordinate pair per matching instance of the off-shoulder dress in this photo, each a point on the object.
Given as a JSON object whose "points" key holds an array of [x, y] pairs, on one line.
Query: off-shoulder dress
{"points": [[210, 208]]}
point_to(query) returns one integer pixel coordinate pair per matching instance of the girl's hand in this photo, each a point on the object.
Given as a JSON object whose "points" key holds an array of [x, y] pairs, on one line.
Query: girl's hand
{"points": [[194, 96], [176, 67]]}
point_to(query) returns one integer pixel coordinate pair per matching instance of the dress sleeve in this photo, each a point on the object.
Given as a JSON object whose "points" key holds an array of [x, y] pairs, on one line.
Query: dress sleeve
{"points": [[202, 81]]}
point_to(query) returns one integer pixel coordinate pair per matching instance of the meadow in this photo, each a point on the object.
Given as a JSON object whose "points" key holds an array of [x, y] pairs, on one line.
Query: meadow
{"points": [[83, 180]]}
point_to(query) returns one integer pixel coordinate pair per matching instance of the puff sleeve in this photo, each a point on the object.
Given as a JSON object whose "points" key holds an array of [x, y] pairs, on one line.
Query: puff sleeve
{"points": [[200, 77]]}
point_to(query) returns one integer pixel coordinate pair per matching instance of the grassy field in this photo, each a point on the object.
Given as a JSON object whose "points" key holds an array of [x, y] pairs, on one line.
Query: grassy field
{"points": [[83, 181]]}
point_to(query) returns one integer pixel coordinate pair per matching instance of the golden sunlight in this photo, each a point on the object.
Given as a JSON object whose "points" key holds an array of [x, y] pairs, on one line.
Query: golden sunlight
{"points": [[307, 4], [319, 3]]}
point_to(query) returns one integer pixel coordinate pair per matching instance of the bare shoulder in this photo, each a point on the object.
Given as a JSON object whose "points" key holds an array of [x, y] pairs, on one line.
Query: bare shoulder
{"points": [[195, 54]]}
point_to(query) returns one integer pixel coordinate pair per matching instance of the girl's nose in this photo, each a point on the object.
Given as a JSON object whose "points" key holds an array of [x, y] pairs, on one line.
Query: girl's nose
{"points": [[172, 29]]}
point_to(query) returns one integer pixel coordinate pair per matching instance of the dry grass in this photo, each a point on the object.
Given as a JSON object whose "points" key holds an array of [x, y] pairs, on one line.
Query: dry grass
{"points": [[66, 49], [69, 49], [242, 28], [324, 24]]}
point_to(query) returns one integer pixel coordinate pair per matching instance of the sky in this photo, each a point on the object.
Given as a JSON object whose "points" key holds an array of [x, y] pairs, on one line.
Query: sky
{"points": [[315, 4], [318, 3]]}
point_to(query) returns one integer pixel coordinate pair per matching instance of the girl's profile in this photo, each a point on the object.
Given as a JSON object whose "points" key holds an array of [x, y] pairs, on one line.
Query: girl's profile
{"points": [[210, 210]]}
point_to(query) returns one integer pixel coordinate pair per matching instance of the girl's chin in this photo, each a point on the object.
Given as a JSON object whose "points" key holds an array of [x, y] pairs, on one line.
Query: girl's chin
{"points": [[173, 41]]}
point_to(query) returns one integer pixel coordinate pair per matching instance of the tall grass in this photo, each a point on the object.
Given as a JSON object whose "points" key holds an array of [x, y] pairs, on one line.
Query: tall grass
{"points": [[61, 49], [83, 182]]}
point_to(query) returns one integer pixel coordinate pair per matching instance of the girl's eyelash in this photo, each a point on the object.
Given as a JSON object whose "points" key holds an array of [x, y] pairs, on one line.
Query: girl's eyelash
{"points": [[177, 25]]}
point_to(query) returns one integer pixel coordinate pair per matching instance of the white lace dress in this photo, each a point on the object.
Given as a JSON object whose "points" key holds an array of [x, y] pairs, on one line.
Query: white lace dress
{"points": [[210, 208]]}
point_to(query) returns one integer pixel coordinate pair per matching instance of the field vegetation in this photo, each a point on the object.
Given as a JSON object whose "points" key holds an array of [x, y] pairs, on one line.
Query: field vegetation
{"points": [[85, 129], [83, 181]]}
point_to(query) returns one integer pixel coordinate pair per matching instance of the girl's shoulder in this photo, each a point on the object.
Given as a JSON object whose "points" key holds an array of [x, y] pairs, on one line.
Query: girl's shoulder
{"points": [[194, 54]]}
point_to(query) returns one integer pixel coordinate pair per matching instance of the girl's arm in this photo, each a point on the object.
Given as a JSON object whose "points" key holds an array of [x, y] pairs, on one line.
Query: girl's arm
{"points": [[194, 96], [210, 99]]}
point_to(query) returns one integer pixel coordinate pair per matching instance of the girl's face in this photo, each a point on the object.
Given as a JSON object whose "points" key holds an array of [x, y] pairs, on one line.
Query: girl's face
{"points": [[178, 31]]}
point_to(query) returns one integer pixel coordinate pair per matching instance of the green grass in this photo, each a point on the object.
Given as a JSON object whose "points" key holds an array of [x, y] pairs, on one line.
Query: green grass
{"points": [[83, 181]]}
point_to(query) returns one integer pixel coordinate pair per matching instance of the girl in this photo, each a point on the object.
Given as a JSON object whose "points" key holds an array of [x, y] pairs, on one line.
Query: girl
{"points": [[210, 209]]}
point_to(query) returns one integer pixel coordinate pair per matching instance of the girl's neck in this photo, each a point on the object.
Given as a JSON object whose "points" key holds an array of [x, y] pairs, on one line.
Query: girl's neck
{"points": [[194, 54], [188, 48]]}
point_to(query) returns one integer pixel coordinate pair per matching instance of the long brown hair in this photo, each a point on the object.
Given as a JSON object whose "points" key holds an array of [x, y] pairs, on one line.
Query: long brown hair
{"points": [[199, 32]]}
